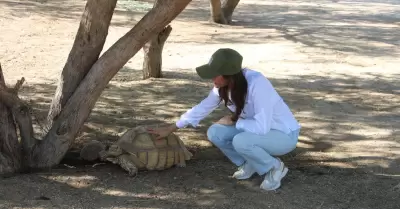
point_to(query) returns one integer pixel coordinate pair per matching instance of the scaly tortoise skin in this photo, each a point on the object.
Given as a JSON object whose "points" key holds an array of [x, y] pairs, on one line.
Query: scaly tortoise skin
{"points": [[139, 150]]}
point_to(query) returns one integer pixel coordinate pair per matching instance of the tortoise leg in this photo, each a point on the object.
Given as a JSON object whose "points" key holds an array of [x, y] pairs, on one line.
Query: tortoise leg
{"points": [[128, 165], [186, 153]]}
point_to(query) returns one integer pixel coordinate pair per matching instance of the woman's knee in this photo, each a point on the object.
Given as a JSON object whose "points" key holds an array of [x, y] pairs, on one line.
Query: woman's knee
{"points": [[241, 142], [218, 133], [214, 132]]}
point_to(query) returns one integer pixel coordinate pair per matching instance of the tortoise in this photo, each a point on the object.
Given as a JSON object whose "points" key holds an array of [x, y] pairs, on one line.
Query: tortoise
{"points": [[137, 149]]}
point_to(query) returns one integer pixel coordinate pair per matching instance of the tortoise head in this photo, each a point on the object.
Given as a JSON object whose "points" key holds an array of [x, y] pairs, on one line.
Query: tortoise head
{"points": [[91, 150]]}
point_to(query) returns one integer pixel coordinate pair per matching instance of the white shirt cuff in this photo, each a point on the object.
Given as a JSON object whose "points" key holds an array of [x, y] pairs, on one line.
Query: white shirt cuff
{"points": [[181, 124]]}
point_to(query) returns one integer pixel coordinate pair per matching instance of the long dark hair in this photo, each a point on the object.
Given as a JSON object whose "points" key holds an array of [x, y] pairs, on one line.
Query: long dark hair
{"points": [[237, 85]]}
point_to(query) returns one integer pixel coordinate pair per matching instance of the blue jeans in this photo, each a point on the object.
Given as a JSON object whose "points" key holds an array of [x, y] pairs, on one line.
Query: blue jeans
{"points": [[257, 150]]}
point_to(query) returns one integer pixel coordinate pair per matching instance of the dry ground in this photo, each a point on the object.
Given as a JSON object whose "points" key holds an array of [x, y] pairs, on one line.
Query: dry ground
{"points": [[335, 63]]}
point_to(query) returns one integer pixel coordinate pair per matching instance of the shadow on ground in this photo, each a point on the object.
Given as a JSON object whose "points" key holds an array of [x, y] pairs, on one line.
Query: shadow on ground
{"points": [[329, 109], [73, 10], [347, 115], [55, 8], [202, 184], [343, 26]]}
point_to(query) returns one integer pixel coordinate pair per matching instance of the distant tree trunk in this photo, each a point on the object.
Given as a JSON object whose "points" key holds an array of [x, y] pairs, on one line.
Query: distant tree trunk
{"points": [[222, 12], [88, 44], [228, 6], [217, 14], [152, 63], [51, 149]]}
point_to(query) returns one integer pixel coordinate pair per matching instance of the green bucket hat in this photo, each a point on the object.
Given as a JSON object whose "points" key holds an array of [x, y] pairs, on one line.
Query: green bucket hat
{"points": [[224, 61]]}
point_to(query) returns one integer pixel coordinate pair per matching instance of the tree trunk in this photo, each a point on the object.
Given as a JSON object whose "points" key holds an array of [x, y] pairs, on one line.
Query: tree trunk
{"points": [[53, 147], [18, 153], [223, 14], [228, 6], [88, 44], [217, 15], [65, 126], [152, 62], [10, 149]]}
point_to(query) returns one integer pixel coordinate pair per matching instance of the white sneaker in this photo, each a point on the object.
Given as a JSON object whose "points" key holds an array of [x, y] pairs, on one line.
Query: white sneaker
{"points": [[272, 180], [245, 171]]}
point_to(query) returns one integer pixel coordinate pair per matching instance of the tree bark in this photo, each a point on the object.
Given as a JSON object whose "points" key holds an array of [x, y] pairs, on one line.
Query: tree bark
{"points": [[228, 6], [66, 124], [222, 12], [55, 144], [10, 149], [153, 49], [88, 44], [217, 15], [19, 153]]}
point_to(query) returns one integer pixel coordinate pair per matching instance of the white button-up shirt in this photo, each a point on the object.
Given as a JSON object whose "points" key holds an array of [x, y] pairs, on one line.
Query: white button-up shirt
{"points": [[264, 108]]}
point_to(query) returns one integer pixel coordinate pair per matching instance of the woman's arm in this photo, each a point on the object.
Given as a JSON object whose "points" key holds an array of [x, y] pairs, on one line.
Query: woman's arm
{"points": [[192, 116], [197, 113]]}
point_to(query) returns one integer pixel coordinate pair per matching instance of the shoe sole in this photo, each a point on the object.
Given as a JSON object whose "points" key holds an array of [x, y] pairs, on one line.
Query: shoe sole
{"points": [[285, 171]]}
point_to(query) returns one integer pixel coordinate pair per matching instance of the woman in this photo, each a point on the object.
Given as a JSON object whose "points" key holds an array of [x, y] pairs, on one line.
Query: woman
{"points": [[261, 125]]}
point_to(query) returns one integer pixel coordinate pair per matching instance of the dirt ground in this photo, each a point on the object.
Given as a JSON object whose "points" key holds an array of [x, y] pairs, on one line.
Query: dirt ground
{"points": [[336, 63]]}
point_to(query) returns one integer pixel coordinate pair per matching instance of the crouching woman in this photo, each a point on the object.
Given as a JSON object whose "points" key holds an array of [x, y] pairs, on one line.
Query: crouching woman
{"points": [[260, 128]]}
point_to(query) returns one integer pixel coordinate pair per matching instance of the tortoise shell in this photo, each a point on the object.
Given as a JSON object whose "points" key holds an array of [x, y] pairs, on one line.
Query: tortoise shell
{"points": [[151, 154], [139, 148]]}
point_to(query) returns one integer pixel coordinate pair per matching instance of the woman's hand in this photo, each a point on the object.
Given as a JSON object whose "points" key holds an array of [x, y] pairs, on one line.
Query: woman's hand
{"points": [[162, 131], [226, 120]]}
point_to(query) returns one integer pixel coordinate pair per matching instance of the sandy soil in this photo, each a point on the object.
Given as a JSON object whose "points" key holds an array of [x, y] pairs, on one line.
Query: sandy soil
{"points": [[335, 63]]}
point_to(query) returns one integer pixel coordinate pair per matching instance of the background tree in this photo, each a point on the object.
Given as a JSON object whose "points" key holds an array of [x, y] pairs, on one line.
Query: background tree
{"points": [[222, 12], [85, 75], [152, 61]]}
